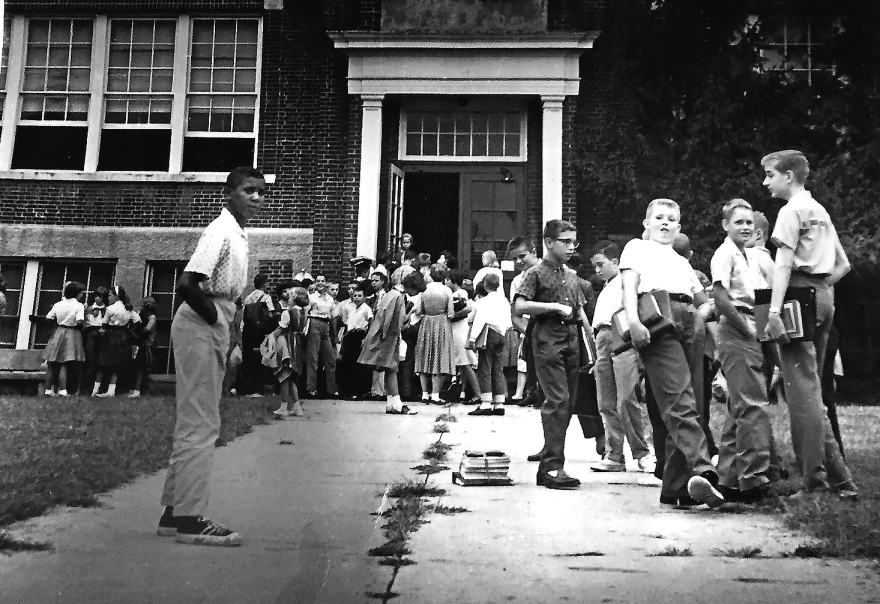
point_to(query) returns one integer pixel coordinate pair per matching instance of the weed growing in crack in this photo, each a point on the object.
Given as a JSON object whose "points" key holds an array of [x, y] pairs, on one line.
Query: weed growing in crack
{"points": [[446, 417], [447, 510], [396, 562], [437, 450], [673, 552], [738, 552], [414, 489], [430, 468], [589, 554], [441, 428], [10, 544]]}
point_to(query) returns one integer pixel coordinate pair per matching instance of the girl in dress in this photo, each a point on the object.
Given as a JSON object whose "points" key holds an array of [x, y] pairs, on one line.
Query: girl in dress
{"points": [[289, 357], [65, 346], [143, 346], [115, 353], [91, 335], [465, 359], [434, 348], [381, 347]]}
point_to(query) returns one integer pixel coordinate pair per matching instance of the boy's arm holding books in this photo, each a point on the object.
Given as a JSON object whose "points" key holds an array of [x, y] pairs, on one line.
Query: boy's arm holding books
{"points": [[640, 335]]}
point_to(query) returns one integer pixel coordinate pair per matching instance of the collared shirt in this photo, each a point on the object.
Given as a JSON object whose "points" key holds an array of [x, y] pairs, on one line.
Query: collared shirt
{"points": [[322, 306], [360, 318], [659, 267], [258, 295], [549, 281], [222, 256], [67, 312], [740, 274], [609, 301], [344, 309], [765, 263], [95, 315], [804, 226], [492, 310], [118, 315]]}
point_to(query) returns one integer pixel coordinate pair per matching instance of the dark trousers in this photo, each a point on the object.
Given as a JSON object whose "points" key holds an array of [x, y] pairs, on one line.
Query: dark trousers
{"points": [[557, 356], [353, 378], [669, 376], [490, 368], [253, 374]]}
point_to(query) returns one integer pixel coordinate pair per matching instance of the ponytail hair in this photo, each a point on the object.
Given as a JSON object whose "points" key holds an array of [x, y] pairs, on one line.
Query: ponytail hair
{"points": [[120, 293]]}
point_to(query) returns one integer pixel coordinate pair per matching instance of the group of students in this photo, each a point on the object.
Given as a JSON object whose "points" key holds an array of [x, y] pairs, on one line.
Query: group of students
{"points": [[103, 341]]}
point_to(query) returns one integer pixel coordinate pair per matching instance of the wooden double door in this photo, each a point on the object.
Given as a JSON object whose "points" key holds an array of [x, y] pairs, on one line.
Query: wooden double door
{"points": [[464, 209]]}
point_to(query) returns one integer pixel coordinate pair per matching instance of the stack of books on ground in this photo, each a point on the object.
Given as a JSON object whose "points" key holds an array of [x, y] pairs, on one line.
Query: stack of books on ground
{"points": [[483, 468]]}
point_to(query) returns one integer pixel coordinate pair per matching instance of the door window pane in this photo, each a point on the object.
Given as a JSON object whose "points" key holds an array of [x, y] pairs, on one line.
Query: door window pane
{"points": [[489, 135], [162, 280]]}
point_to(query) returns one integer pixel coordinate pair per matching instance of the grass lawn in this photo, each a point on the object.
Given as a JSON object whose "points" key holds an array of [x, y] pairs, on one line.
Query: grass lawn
{"points": [[66, 451], [841, 529]]}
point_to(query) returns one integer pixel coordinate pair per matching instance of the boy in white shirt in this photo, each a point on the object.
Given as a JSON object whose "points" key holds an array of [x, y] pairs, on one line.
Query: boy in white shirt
{"points": [[617, 376], [491, 312], [689, 478], [355, 378]]}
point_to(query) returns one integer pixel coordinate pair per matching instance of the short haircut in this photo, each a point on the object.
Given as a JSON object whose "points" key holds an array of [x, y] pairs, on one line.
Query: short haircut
{"points": [[790, 159], [607, 248], [480, 289], [731, 206], [438, 273], [73, 289], [682, 245], [424, 259], [490, 254], [381, 274], [518, 242], [405, 236], [99, 291], [457, 277], [410, 255], [556, 226], [239, 174], [414, 281], [762, 223], [662, 201], [491, 282], [260, 280]]}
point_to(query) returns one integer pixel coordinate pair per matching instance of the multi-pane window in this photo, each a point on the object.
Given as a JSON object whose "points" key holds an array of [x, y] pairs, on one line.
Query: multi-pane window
{"points": [[12, 273], [138, 101], [54, 274], [124, 94], [53, 126], [476, 135], [4, 64], [162, 278], [222, 94], [795, 45]]}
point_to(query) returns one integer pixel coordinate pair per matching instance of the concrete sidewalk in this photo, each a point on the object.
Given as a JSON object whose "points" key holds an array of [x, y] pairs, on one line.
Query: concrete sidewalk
{"points": [[304, 510]]}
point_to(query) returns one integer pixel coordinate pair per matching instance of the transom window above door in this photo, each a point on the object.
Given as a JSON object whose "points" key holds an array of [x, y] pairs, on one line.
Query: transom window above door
{"points": [[463, 135]]}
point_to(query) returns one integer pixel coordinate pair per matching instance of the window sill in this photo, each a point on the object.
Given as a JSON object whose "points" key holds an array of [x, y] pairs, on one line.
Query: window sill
{"points": [[74, 176]]}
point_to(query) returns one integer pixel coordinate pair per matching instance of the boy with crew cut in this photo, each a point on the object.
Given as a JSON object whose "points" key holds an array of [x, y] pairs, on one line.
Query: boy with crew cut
{"points": [[808, 254], [551, 295], [212, 281], [689, 478], [617, 376]]}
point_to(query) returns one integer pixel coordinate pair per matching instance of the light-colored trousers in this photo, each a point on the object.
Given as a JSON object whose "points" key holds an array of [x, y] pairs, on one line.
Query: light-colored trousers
{"points": [[200, 362], [623, 414]]}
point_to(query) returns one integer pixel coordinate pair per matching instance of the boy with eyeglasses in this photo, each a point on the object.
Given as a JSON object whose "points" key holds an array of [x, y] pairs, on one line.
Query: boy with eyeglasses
{"points": [[551, 295]]}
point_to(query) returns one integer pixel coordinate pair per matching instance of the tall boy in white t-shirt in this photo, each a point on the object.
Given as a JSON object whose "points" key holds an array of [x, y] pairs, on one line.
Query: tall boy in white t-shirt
{"points": [[689, 478]]}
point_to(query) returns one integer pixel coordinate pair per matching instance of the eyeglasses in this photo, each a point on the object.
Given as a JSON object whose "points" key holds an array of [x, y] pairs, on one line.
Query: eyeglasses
{"points": [[573, 243]]}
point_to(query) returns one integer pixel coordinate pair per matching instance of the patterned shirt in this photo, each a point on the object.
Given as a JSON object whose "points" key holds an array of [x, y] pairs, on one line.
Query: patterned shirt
{"points": [[222, 256], [550, 281], [740, 274], [804, 226]]}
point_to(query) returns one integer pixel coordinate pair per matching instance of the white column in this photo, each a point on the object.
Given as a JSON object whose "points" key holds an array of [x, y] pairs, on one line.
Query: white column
{"points": [[551, 153], [28, 298], [371, 165]]}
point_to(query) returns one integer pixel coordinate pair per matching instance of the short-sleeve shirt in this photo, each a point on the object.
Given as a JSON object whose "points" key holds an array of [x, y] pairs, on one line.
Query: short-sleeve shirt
{"points": [[67, 312], [609, 301], [222, 256], [659, 267], [359, 318], [765, 263], [548, 281], [804, 226], [322, 306], [258, 295], [95, 315], [739, 273], [118, 315]]}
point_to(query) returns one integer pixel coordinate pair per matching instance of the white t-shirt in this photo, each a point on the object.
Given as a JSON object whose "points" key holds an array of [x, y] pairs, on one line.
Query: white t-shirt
{"points": [[659, 267], [359, 318], [610, 300]]}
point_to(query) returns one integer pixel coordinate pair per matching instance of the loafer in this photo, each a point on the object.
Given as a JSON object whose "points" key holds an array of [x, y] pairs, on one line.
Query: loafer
{"points": [[405, 410], [563, 482], [534, 457], [482, 411], [497, 410]]}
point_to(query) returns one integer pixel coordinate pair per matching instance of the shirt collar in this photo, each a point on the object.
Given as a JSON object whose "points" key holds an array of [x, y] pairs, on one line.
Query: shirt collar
{"points": [[227, 217], [801, 196], [734, 248], [553, 263]]}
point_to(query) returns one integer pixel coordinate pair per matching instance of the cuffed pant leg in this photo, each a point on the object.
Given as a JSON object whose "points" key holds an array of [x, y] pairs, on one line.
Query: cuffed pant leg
{"points": [[199, 361], [668, 374]]}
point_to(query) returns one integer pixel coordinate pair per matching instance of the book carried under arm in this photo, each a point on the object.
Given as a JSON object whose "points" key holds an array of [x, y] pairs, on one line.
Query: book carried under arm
{"points": [[654, 313], [798, 313]]}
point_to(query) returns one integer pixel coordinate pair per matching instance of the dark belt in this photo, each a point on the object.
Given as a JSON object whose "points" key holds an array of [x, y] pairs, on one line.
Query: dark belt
{"points": [[817, 276], [745, 311], [682, 298], [319, 318], [69, 326]]}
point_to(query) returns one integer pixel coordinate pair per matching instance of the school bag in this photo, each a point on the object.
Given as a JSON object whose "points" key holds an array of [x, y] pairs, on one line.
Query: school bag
{"points": [[258, 318]]}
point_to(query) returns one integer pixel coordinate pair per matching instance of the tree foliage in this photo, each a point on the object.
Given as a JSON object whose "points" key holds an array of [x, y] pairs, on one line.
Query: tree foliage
{"points": [[697, 109]]}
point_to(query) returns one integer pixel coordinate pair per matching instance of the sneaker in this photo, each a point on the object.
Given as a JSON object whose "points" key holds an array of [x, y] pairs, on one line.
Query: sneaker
{"points": [[134, 394], [63, 393], [297, 410], [282, 412], [197, 530], [49, 393], [168, 524], [606, 465], [647, 464], [701, 489]]}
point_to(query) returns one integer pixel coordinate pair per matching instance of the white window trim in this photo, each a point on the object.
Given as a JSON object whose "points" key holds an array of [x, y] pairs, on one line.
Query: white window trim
{"points": [[100, 60], [494, 159]]}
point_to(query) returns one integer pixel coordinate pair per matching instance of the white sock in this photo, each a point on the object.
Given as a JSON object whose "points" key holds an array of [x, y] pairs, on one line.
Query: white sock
{"points": [[49, 392], [499, 400], [486, 401], [111, 390], [62, 392], [389, 403], [95, 389], [435, 396]]}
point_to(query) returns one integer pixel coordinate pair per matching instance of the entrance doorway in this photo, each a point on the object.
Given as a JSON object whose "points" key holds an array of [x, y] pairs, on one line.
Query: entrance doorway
{"points": [[431, 211]]}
